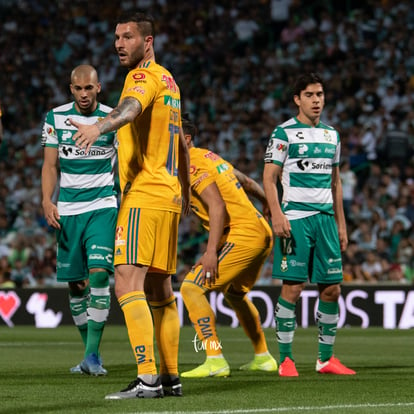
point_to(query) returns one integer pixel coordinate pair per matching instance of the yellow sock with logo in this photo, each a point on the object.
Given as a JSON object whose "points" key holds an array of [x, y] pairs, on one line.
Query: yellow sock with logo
{"points": [[202, 317], [140, 327]]}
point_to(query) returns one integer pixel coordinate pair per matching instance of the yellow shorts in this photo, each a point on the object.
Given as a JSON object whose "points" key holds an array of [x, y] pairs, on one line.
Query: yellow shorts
{"points": [[239, 267], [147, 237]]}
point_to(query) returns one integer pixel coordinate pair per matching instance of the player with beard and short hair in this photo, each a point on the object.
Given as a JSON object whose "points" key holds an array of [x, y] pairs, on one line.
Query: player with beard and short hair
{"points": [[154, 180], [86, 210]]}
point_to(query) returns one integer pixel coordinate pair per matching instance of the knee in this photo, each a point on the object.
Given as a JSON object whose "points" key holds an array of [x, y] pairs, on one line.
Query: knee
{"points": [[189, 291], [330, 293], [99, 278], [78, 287], [232, 296], [292, 291]]}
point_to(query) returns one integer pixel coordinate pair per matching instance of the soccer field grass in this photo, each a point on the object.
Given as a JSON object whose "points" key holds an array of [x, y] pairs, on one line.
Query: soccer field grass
{"points": [[35, 378]]}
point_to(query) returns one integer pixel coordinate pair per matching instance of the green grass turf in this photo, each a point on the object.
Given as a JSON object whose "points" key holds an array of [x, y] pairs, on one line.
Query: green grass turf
{"points": [[35, 378]]}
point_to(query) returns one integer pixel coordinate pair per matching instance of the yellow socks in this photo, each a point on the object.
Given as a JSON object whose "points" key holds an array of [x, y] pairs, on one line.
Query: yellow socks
{"points": [[140, 327]]}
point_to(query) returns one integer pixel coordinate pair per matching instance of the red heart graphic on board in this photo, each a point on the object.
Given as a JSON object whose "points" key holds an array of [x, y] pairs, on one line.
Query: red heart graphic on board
{"points": [[9, 303]]}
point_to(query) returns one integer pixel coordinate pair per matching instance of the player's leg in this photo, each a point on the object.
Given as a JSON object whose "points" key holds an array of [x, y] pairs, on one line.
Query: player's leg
{"points": [[167, 329], [78, 304], [98, 311], [247, 263], [71, 268], [136, 250], [290, 263], [328, 274], [98, 241], [204, 321]]}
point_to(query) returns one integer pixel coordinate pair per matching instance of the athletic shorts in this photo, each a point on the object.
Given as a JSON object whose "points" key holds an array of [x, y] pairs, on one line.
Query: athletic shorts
{"points": [[85, 241], [239, 266], [313, 252], [147, 237]]}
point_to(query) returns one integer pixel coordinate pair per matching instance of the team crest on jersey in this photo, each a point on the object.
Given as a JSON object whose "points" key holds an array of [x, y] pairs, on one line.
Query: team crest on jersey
{"points": [[118, 236], [283, 264], [327, 135]]}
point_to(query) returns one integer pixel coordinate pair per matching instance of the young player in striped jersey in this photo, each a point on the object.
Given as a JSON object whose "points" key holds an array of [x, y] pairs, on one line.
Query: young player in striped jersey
{"points": [[309, 223], [86, 210], [239, 242]]}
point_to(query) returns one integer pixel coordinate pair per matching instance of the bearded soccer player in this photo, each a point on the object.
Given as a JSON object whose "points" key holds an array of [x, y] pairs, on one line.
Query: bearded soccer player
{"points": [[85, 214], [153, 162]]}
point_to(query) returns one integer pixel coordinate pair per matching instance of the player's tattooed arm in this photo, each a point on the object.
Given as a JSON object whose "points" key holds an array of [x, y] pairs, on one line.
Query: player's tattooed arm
{"points": [[128, 109]]}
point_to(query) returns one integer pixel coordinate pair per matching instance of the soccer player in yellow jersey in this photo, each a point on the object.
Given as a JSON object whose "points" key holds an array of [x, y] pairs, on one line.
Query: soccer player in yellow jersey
{"points": [[239, 242], [153, 162]]}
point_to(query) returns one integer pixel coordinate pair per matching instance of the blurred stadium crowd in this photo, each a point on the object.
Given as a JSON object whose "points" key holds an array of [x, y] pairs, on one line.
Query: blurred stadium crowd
{"points": [[234, 62]]}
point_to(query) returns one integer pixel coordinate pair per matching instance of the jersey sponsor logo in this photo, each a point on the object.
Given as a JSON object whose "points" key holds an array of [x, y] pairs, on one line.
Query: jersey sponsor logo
{"points": [[329, 150], [67, 150], [302, 165], [108, 249], [200, 179], [170, 82], [170, 101], [334, 270], [66, 135], [138, 76], [137, 89], [303, 148], [91, 153], [211, 155], [96, 256], [193, 169], [321, 166], [295, 263], [222, 168]]}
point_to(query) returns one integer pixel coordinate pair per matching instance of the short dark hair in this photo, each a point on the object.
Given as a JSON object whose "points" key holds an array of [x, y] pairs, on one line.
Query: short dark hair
{"points": [[189, 127], [145, 22], [304, 80]]}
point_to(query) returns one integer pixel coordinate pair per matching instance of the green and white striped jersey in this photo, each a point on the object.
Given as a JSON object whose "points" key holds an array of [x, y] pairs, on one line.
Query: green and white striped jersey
{"points": [[86, 180], [306, 155]]}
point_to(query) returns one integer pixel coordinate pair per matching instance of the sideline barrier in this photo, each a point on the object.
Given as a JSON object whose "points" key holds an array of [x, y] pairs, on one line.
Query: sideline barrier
{"points": [[387, 306]]}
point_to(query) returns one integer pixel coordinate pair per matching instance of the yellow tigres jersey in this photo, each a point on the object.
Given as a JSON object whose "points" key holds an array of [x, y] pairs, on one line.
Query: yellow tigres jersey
{"points": [[148, 146], [243, 219]]}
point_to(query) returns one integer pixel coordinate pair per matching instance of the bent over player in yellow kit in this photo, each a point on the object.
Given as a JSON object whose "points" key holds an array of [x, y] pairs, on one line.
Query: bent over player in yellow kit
{"points": [[239, 242]]}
